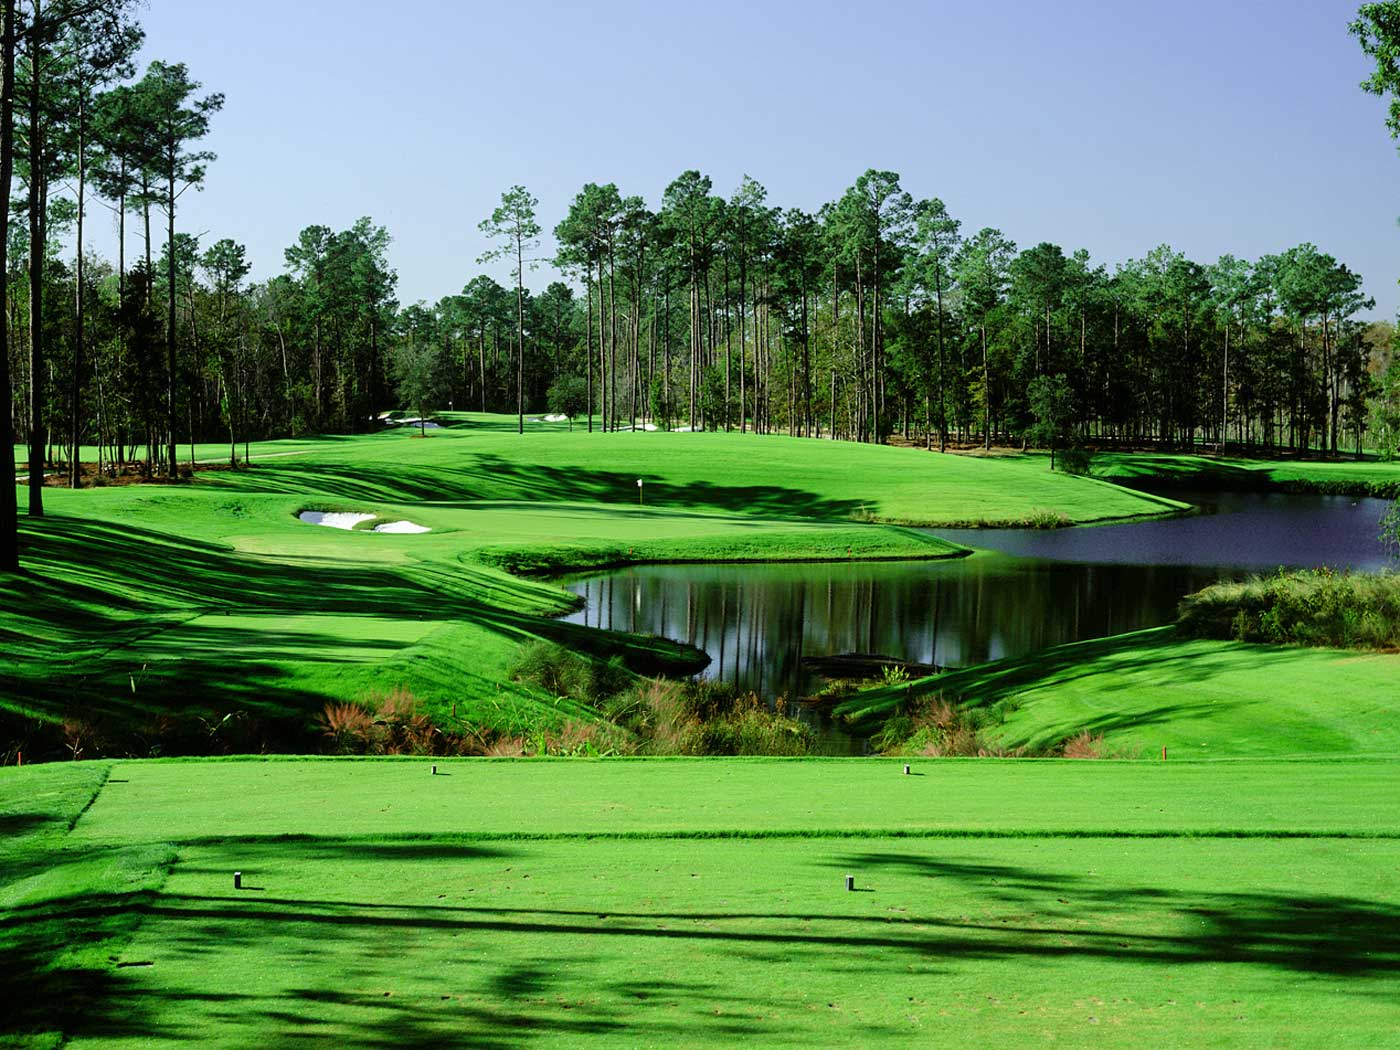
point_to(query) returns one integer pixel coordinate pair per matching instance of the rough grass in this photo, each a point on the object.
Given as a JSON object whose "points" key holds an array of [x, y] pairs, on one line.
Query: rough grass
{"points": [[1315, 607], [634, 903]]}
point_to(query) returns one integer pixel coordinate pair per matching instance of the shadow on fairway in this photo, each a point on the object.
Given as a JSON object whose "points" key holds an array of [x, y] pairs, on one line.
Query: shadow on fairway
{"points": [[105, 604], [1032, 915], [1157, 648], [489, 476]]}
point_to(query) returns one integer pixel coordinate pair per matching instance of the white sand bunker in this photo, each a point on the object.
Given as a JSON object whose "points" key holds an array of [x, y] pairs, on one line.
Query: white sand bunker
{"points": [[334, 519], [401, 526], [348, 520]]}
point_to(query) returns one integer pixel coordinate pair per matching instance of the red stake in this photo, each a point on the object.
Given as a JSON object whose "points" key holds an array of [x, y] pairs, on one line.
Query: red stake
{"points": [[1164, 754]]}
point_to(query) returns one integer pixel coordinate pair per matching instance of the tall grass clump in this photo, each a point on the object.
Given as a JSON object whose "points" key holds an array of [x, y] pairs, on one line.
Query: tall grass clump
{"points": [[1315, 607], [386, 723], [560, 672], [706, 718], [939, 728]]}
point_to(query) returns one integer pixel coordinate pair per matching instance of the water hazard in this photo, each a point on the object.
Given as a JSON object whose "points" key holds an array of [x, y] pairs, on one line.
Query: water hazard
{"points": [[762, 625]]}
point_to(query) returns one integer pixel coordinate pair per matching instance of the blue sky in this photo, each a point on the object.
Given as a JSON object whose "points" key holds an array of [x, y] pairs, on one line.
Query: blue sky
{"points": [[1234, 126]]}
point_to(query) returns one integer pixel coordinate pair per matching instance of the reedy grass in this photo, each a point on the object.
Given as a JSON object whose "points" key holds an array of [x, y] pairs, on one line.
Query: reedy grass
{"points": [[1312, 607]]}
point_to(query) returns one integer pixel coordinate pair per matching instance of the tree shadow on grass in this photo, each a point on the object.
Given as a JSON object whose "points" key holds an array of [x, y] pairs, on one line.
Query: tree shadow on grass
{"points": [[503, 998], [986, 684], [1303, 933], [100, 596], [494, 477]]}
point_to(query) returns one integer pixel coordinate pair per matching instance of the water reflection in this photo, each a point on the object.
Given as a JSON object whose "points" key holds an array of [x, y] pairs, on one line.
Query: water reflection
{"points": [[758, 622], [1236, 530], [1034, 589]]}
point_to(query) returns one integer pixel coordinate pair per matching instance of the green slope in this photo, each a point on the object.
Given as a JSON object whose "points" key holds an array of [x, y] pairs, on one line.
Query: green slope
{"points": [[1357, 477], [1155, 689]]}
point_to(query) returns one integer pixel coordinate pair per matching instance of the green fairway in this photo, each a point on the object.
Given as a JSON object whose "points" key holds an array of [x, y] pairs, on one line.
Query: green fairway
{"points": [[480, 459], [201, 599], [656, 903], [1156, 689]]}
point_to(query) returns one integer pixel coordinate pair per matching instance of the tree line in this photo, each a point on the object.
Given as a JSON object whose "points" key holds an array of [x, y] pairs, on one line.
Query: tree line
{"points": [[878, 316]]}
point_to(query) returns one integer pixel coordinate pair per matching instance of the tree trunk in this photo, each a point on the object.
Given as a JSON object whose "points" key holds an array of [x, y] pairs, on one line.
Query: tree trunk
{"points": [[612, 338], [37, 205], [9, 505], [520, 335], [588, 350], [986, 393], [76, 384], [170, 302]]}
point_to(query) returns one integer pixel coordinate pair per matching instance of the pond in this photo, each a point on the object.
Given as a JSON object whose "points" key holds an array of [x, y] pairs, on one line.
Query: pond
{"points": [[763, 624]]}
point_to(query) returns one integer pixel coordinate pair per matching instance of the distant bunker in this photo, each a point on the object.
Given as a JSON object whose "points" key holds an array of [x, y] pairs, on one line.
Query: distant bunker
{"points": [[348, 520]]}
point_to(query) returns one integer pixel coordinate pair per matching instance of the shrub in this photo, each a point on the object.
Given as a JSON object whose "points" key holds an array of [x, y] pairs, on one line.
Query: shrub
{"points": [[1309, 607], [1075, 460], [940, 729], [894, 674], [706, 718], [748, 729], [1046, 518], [386, 724]]}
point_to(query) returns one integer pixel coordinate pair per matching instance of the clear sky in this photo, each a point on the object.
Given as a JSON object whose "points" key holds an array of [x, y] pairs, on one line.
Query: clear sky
{"points": [[1112, 125]]}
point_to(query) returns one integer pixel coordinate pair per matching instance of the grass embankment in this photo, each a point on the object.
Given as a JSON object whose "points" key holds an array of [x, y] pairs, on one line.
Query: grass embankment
{"points": [[139, 603], [1243, 474], [649, 903], [1144, 691]]}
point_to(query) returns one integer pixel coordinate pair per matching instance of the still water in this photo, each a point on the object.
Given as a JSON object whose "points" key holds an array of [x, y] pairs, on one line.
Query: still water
{"points": [[1023, 590]]}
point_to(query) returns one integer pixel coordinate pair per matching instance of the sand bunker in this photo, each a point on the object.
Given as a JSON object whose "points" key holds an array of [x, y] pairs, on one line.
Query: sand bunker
{"points": [[348, 520], [334, 519], [401, 526]]}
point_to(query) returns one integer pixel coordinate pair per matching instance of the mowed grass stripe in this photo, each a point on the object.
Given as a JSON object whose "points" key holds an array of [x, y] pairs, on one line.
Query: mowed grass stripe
{"points": [[184, 801], [727, 834]]}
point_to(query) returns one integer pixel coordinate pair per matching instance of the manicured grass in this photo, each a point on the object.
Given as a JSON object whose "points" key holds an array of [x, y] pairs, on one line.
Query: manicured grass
{"points": [[198, 599], [771, 475], [647, 903], [503, 798], [1155, 689]]}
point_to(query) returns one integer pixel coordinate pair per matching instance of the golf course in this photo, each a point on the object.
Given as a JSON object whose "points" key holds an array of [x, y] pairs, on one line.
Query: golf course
{"points": [[630, 527], [1246, 885]]}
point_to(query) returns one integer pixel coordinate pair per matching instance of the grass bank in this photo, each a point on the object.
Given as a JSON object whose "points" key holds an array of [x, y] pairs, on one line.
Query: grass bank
{"points": [[639, 903], [1140, 692], [1244, 474]]}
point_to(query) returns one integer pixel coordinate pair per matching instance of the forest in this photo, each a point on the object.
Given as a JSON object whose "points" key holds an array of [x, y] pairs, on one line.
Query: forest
{"points": [[878, 317]]}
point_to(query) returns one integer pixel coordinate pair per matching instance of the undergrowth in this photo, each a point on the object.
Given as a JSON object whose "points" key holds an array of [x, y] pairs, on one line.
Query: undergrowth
{"points": [[939, 728], [1317, 607]]}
